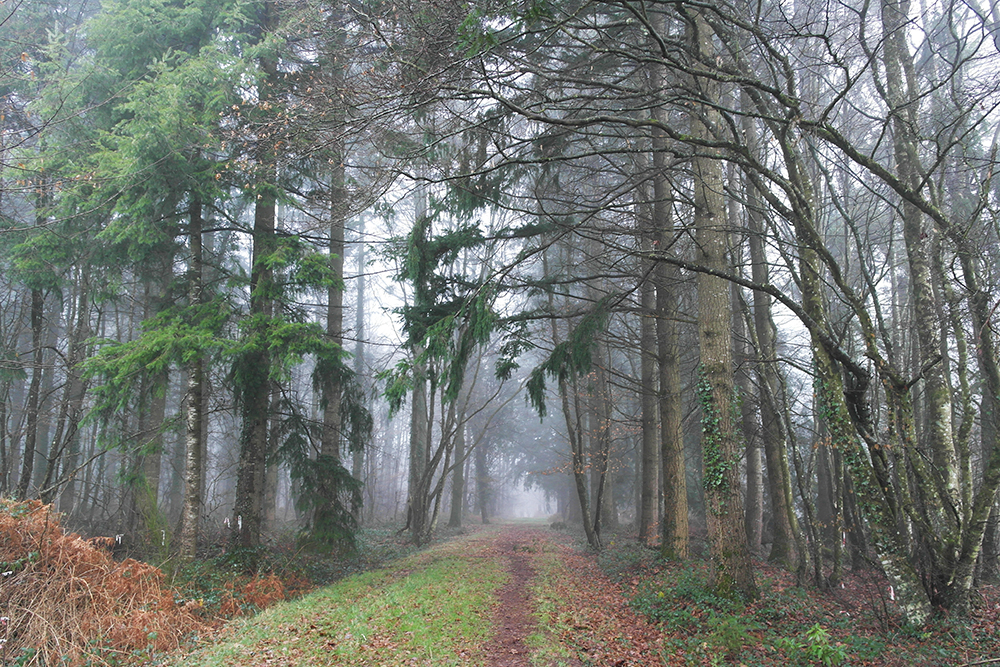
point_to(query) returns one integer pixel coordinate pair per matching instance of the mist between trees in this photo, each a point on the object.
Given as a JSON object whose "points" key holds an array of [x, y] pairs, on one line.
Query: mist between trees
{"points": [[725, 272]]}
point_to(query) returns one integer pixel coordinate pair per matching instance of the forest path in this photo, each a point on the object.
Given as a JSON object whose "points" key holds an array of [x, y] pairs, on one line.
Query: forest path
{"points": [[514, 595], [576, 615]]}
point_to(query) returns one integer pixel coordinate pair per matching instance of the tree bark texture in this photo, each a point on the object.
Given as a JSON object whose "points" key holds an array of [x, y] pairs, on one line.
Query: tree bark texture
{"points": [[732, 570]]}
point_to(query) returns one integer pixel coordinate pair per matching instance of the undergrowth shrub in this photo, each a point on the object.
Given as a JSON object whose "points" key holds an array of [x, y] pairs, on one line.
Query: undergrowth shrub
{"points": [[814, 647], [730, 634], [67, 602]]}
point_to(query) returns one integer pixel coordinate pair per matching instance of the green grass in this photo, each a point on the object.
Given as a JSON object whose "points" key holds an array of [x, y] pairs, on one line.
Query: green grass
{"points": [[435, 607], [547, 591]]}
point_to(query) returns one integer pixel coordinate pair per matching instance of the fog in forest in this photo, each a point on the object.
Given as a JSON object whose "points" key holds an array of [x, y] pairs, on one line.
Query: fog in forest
{"points": [[720, 276]]}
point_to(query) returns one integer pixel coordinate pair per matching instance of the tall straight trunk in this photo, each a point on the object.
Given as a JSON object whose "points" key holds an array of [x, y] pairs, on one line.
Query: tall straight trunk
{"points": [[827, 513], [754, 519], [674, 526], [785, 534], [255, 388], [34, 392], [649, 478], [332, 433], [569, 397], [255, 366], [732, 571], [269, 506], [420, 433], [599, 414], [418, 507], [747, 394], [43, 442], [150, 515], [5, 454], [65, 442], [358, 455], [193, 447], [332, 391], [458, 480], [748, 400], [675, 530], [144, 517], [484, 492]]}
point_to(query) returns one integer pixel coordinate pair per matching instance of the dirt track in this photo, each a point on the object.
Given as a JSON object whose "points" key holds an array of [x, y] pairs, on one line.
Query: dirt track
{"points": [[516, 595], [558, 594]]}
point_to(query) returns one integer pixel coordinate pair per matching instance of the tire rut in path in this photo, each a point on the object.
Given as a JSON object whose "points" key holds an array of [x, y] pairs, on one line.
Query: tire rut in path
{"points": [[513, 617]]}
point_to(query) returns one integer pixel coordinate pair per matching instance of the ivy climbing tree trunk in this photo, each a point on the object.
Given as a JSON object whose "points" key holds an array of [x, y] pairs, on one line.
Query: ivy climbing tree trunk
{"points": [[732, 570]]}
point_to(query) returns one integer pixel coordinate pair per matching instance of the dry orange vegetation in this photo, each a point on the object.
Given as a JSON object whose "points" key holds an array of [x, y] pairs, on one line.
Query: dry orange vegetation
{"points": [[65, 600]]}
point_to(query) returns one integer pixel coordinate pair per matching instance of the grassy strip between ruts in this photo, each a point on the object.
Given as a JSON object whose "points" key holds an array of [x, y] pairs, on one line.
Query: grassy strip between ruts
{"points": [[432, 608], [546, 642]]}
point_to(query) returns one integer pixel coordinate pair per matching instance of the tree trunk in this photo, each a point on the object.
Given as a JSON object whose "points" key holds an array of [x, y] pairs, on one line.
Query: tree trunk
{"points": [[483, 490], [332, 434], [675, 531], [458, 480], [43, 443], [331, 445], [604, 511], [943, 491], [420, 416], [754, 515], [732, 571], [783, 522], [65, 443], [144, 517], [193, 447], [254, 382], [358, 456], [150, 515], [34, 392], [649, 478]]}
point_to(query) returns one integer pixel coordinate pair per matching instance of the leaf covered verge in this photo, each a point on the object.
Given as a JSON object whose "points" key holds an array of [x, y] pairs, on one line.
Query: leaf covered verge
{"points": [[854, 624]]}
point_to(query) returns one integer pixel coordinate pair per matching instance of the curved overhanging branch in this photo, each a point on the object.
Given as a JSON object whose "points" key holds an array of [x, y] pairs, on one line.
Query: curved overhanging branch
{"points": [[825, 338]]}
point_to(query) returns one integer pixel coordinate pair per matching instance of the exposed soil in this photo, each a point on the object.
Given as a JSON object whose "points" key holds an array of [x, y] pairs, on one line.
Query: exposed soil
{"points": [[513, 618]]}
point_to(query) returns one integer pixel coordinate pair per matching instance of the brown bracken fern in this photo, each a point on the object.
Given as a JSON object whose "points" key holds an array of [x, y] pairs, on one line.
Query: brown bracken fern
{"points": [[65, 600]]}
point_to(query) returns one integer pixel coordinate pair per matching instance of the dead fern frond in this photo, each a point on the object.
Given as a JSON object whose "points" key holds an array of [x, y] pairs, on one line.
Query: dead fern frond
{"points": [[67, 601]]}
